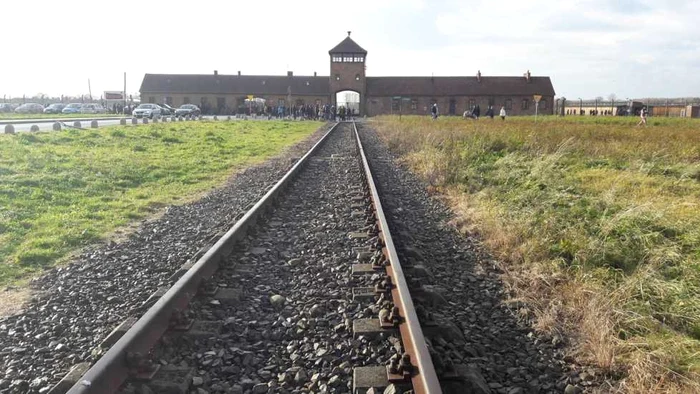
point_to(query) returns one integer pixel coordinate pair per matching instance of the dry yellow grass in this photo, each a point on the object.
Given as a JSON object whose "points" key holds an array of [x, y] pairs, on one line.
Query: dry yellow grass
{"points": [[596, 224]]}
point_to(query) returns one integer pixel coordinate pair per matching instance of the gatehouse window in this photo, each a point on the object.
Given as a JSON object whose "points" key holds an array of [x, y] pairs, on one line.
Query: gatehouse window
{"points": [[359, 59], [525, 104], [508, 104], [337, 59], [357, 77], [395, 104], [543, 104], [337, 77], [414, 104], [263, 82], [347, 59]]}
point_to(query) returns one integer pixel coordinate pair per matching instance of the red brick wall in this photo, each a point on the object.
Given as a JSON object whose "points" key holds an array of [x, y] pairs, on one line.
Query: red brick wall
{"points": [[348, 73], [382, 105]]}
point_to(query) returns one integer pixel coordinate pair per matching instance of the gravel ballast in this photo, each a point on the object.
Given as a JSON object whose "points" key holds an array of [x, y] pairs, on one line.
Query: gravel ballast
{"points": [[74, 307], [499, 354], [291, 329]]}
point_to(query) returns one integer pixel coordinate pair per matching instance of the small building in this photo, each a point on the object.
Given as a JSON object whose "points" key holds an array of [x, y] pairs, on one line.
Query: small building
{"points": [[222, 94]]}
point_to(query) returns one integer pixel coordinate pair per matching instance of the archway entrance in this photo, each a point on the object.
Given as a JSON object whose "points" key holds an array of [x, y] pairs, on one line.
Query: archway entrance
{"points": [[349, 100]]}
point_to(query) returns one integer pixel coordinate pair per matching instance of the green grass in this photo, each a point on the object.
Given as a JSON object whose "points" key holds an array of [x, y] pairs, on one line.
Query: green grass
{"points": [[61, 191], [611, 208], [11, 116]]}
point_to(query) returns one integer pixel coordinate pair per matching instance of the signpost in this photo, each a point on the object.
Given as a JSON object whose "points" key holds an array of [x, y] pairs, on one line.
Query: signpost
{"points": [[537, 98]]}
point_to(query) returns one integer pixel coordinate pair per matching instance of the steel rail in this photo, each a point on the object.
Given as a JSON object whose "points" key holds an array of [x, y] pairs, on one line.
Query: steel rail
{"points": [[112, 369], [425, 379]]}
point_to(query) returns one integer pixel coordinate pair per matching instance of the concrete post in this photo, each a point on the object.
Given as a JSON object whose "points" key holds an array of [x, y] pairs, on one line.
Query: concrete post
{"points": [[34, 128], [56, 126], [77, 124], [172, 119], [145, 120], [134, 121], [155, 119], [216, 117], [9, 129], [228, 117], [122, 121], [93, 124]]}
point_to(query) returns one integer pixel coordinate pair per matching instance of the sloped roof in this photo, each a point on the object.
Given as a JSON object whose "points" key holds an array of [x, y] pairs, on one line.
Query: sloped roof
{"points": [[243, 84], [347, 46], [458, 86]]}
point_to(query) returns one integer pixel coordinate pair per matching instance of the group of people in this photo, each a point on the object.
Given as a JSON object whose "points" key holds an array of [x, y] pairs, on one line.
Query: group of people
{"points": [[314, 112], [474, 113]]}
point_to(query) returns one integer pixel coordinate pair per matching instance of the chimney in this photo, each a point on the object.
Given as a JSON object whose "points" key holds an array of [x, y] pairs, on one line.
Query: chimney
{"points": [[239, 73], [216, 72], [290, 73], [527, 76], [478, 76], [314, 73]]}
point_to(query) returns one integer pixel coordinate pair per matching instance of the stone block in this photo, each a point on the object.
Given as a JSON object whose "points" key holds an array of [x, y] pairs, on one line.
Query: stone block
{"points": [[365, 378]]}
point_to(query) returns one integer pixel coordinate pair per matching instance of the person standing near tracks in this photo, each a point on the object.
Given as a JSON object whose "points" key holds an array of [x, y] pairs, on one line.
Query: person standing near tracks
{"points": [[503, 113], [489, 112], [434, 111]]}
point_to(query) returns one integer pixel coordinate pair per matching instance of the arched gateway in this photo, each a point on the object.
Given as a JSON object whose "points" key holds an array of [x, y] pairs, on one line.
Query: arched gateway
{"points": [[348, 71]]}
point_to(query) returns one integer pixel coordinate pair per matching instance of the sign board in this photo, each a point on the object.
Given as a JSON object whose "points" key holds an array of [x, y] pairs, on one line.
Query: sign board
{"points": [[114, 95], [250, 97], [537, 97]]}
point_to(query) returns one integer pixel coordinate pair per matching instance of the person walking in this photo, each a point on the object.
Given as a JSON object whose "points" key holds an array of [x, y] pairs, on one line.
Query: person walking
{"points": [[503, 113], [477, 112], [643, 116], [434, 111]]}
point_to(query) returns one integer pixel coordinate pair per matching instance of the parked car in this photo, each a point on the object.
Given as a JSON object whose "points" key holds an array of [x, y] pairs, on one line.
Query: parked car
{"points": [[72, 108], [30, 108], [92, 109], [188, 109], [55, 108], [166, 110], [6, 107], [146, 111]]}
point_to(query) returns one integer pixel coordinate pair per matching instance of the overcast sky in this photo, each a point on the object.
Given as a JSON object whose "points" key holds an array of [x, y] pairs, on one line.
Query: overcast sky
{"points": [[589, 48]]}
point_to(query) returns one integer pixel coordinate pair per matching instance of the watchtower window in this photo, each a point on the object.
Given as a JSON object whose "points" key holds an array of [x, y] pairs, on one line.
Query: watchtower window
{"points": [[337, 77], [357, 77], [359, 59], [525, 104], [347, 58], [337, 59]]}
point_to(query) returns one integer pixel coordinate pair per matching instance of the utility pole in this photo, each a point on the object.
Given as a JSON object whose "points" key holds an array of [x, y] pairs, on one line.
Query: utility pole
{"points": [[89, 89], [124, 89]]}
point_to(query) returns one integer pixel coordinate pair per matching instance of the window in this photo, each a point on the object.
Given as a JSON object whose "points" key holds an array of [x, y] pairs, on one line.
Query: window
{"points": [[151, 99], [357, 77], [169, 100], [318, 102], [221, 103], [264, 82], [186, 100], [525, 104], [472, 103], [414, 104], [359, 59], [347, 58], [508, 104], [307, 83], [543, 104], [337, 77], [280, 102], [395, 104], [336, 59]]}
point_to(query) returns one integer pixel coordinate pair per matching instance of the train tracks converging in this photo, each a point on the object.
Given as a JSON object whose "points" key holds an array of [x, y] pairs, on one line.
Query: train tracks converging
{"points": [[305, 293]]}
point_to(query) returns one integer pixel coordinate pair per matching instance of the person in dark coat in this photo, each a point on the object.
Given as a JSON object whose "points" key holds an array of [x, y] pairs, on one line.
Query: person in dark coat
{"points": [[489, 112]]}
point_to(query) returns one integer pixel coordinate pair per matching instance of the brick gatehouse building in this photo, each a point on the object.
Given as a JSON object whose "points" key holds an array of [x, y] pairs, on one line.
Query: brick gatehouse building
{"points": [[222, 94]]}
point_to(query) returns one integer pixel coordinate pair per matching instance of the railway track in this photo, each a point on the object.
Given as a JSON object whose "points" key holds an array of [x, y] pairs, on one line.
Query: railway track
{"points": [[305, 293]]}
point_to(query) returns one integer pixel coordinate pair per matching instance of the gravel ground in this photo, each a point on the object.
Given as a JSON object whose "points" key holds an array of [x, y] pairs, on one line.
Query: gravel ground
{"points": [[291, 330], [501, 355], [76, 306]]}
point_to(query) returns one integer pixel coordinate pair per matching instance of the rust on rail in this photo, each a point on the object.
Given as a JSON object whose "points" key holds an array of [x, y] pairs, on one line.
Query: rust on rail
{"points": [[424, 378]]}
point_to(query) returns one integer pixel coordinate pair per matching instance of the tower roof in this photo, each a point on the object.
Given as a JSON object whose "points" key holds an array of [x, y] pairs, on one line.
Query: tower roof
{"points": [[347, 46]]}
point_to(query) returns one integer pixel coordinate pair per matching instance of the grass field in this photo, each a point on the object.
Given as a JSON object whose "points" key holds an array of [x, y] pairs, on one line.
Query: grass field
{"points": [[596, 221], [60, 191], [11, 116]]}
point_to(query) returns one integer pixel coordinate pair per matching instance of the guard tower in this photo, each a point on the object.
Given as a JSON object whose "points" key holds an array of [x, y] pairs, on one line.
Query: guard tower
{"points": [[348, 70]]}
